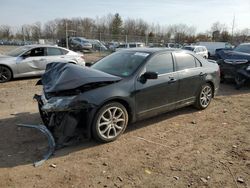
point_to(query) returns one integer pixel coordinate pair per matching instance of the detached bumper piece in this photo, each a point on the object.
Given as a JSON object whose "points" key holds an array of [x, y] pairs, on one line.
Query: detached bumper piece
{"points": [[51, 141]]}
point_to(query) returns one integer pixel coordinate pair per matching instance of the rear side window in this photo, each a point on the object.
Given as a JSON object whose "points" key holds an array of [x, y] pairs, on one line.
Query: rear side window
{"points": [[185, 61], [161, 64], [54, 51]]}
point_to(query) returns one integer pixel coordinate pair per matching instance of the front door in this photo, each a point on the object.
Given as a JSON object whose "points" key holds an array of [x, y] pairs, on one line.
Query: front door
{"points": [[155, 96], [32, 62]]}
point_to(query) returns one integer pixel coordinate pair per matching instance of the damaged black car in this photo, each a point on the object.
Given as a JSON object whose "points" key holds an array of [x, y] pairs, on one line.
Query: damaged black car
{"points": [[122, 88]]}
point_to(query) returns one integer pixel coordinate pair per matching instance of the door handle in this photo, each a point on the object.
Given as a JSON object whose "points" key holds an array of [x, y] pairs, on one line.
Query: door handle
{"points": [[172, 80], [202, 74]]}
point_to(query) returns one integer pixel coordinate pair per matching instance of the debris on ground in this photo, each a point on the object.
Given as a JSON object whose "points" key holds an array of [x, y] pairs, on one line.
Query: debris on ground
{"points": [[204, 180], [176, 177], [240, 180], [53, 165], [51, 141], [148, 171]]}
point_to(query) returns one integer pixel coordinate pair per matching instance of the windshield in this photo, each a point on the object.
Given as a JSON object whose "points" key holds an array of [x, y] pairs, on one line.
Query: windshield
{"points": [[188, 48], [18, 51], [121, 64], [245, 48]]}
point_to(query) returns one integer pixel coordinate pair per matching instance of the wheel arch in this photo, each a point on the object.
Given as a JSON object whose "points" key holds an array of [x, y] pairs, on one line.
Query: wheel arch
{"points": [[125, 103], [12, 75], [212, 85]]}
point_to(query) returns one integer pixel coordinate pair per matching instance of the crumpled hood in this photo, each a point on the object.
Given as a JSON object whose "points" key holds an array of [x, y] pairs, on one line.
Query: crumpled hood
{"points": [[228, 54], [65, 76]]}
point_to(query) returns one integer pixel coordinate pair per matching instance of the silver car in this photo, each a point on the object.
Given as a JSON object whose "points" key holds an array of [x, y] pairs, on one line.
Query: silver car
{"points": [[31, 60]]}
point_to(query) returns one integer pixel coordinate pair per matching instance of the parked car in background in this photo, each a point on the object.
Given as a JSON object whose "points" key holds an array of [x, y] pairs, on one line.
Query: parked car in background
{"points": [[31, 60], [97, 45], [200, 50], [235, 64], [124, 87], [79, 44], [173, 45], [113, 45], [130, 45], [212, 46]]}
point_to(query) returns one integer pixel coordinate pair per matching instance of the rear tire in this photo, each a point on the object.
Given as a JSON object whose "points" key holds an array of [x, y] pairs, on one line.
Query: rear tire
{"points": [[110, 122], [5, 74], [205, 96]]}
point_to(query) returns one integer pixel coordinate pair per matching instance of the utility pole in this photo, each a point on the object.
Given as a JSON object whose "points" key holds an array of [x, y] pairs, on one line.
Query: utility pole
{"points": [[67, 42], [233, 29]]}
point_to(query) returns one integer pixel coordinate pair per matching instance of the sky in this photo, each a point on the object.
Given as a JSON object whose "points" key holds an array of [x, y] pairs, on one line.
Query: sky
{"points": [[199, 13]]}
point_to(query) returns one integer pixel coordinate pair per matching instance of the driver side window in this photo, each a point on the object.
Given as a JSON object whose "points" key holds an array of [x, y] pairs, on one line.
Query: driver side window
{"points": [[35, 52], [160, 64]]}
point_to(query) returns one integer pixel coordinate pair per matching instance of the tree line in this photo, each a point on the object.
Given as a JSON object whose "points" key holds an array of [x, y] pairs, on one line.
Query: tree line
{"points": [[113, 27]]}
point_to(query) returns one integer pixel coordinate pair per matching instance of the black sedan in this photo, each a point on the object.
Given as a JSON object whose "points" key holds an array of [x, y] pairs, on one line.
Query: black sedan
{"points": [[122, 88], [235, 64]]}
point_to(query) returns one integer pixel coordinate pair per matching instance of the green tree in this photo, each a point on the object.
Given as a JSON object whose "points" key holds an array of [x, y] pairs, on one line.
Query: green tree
{"points": [[116, 24]]}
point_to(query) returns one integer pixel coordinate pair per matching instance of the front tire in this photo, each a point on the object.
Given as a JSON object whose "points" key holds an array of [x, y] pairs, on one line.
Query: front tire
{"points": [[110, 122], [239, 80], [5, 74], [205, 96]]}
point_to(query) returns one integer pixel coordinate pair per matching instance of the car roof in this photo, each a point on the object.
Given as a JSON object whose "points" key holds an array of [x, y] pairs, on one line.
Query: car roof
{"points": [[153, 50], [244, 44], [43, 45], [195, 46]]}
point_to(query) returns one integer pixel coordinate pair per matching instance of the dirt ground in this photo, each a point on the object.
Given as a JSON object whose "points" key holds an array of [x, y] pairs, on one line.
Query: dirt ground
{"points": [[183, 148]]}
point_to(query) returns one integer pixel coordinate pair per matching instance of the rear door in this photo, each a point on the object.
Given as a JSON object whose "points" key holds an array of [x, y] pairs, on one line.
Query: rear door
{"points": [[191, 77], [55, 55], [157, 95]]}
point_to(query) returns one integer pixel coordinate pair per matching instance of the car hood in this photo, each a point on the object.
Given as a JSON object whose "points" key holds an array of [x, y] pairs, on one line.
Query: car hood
{"points": [[228, 54], [2, 56], [65, 76]]}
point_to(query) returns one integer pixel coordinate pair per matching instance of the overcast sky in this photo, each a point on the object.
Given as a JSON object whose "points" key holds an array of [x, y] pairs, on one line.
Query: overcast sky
{"points": [[198, 13]]}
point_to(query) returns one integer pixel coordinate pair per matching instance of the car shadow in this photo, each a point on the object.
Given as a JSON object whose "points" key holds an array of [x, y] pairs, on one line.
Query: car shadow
{"points": [[21, 146], [228, 89]]}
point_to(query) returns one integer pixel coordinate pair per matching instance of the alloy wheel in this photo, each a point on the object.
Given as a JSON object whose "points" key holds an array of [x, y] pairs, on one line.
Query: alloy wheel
{"points": [[5, 74], [206, 96], [111, 122]]}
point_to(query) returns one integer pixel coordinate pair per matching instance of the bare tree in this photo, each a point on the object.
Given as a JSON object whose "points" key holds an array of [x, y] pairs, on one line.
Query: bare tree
{"points": [[5, 32], [50, 30], [36, 31]]}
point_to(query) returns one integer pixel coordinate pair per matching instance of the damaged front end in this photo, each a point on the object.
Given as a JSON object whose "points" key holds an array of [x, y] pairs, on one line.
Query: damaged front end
{"points": [[65, 118], [62, 106]]}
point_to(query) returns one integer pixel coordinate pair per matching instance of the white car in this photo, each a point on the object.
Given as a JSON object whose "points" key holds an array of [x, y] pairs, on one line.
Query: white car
{"points": [[200, 50], [31, 60], [130, 45]]}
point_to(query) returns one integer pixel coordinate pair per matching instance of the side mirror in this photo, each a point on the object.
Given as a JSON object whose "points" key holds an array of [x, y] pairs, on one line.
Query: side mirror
{"points": [[150, 75], [24, 56]]}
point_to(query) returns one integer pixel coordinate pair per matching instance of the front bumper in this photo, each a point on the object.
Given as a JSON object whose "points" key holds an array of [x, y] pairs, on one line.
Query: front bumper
{"points": [[60, 104]]}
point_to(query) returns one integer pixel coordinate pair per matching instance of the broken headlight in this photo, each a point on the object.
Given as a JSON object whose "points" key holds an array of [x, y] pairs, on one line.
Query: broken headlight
{"points": [[57, 104], [248, 68]]}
